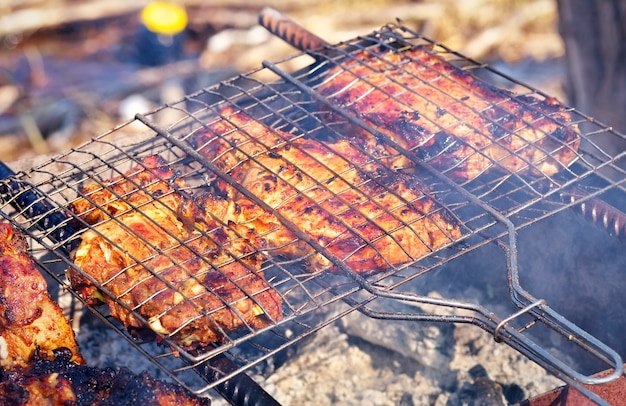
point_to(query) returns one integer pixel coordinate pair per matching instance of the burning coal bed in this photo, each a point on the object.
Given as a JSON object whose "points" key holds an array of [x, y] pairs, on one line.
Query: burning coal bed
{"points": [[362, 361]]}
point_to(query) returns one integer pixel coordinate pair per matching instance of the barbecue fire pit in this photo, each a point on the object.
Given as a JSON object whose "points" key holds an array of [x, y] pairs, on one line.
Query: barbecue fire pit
{"points": [[389, 179]]}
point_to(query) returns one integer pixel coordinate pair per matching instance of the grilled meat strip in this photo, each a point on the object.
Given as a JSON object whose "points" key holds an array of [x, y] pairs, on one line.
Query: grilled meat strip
{"points": [[460, 124], [189, 277], [54, 379], [30, 321], [364, 214]]}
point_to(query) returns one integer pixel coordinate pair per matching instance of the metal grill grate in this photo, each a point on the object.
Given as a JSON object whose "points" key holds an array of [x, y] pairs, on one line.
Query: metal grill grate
{"points": [[219, 133]]}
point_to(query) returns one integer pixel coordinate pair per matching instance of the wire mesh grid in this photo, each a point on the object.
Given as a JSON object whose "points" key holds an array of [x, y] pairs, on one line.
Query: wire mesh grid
{"points": [[273, 180]]}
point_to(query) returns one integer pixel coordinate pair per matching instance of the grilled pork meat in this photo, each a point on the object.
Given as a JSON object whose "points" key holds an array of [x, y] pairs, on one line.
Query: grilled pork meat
{"points": [[39, 359], [183, 273], [460, 124], [163, 253], [360, 211], [30, 321], [54, 379]]}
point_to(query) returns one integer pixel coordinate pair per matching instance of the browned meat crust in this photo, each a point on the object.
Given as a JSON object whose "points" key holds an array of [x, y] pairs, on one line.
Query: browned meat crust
{"points": [[460, 124], [55, 380], [148, 251], [30, 321], [182, 272], [361, 212]]}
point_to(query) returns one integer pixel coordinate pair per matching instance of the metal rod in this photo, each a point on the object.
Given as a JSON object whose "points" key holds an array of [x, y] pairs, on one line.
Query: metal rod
{"points": [[239, 389], [597, 211], [496, 331]]}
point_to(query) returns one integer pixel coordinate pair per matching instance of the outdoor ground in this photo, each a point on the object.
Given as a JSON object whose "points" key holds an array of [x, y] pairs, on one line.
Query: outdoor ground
{"points": [[68, 68]]}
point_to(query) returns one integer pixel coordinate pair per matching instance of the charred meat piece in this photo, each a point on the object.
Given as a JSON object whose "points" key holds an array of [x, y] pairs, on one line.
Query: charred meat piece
{"points": [[363, 213], [54, 379], [184, 274], [460, 124], [30, 321]]}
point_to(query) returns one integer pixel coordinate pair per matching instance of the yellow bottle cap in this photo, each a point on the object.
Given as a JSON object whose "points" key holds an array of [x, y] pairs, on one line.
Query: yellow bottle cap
{"points": [[164, 18]]}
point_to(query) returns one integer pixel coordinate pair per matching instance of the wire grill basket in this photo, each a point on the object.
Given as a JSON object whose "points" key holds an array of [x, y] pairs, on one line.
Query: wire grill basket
{"points": [[320, 284]]}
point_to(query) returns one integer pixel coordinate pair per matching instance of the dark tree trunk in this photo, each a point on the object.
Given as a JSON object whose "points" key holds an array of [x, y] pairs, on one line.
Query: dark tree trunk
{"points": [[594, 32]]}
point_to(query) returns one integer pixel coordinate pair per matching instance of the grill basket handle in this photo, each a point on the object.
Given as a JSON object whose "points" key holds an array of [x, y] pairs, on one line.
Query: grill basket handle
{"points": [[290, 31]]}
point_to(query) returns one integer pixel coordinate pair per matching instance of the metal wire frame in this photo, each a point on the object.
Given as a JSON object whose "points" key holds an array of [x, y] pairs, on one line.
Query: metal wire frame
{"points": [[490, 210], [482, 317], [297, 295], [599, 212]]}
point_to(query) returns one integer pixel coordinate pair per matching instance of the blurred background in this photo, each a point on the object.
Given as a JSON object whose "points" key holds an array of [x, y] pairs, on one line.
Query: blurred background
{"points": [[71, 69]]}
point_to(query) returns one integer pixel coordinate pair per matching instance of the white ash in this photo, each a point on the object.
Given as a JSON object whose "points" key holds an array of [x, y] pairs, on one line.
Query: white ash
{"points": [[343, 365]]}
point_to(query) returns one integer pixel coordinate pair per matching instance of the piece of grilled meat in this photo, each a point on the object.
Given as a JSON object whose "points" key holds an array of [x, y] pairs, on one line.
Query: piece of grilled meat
{"points": [[184, 274], [362, 213], [458, 123], [54, 379], [39, 359], [30, 321]]}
